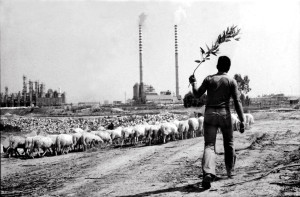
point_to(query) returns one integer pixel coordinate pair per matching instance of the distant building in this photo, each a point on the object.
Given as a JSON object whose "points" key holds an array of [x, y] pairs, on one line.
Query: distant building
{"points": [[272, 99], [168, 92], [293, 100], [130, 101], [149, 90], [117, 102], [165, 97], [30, 96], [89, 103], [152, 97], [136, 91]]}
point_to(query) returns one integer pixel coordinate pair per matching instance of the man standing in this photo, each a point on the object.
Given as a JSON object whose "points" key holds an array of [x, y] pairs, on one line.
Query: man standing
{"points": [[220, 88]]}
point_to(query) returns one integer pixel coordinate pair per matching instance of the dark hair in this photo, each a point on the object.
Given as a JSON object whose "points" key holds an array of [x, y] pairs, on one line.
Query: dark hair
{"points": [[223, 64]]}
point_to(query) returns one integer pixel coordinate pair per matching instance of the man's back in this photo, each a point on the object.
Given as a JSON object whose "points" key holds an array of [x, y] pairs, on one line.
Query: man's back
{"points": [[219, 89]]}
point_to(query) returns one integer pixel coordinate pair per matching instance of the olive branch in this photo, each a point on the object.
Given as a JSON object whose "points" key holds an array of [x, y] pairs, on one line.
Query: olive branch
{"points": [[227, 35]]}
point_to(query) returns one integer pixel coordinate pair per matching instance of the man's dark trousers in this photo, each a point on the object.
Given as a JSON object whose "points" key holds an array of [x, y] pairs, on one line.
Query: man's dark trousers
{"points": [[215, 118]]}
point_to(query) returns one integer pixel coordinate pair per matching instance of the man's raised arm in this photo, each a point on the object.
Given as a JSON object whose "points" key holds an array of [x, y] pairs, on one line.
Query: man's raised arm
{"points": [[198, 92]]}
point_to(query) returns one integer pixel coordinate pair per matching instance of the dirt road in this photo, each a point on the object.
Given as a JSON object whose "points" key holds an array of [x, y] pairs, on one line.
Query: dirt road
{"points": [[171, 169]]}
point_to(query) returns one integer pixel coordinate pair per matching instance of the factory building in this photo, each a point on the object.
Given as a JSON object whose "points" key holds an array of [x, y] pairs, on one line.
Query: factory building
{"points": [[143, 93], [30, 96], [150, 95], [165, 97]]}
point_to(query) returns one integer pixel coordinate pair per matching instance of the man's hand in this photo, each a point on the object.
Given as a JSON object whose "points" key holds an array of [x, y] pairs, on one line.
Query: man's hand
{"points": [[242, 127], [192, 79]]}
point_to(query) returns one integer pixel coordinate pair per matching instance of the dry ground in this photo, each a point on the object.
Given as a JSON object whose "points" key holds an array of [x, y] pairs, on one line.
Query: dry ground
{"points": [[172, 169]]}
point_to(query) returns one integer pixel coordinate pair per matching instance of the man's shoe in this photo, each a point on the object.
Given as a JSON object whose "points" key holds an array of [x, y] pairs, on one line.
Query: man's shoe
{"points": [[206, 181], [230, 174]]}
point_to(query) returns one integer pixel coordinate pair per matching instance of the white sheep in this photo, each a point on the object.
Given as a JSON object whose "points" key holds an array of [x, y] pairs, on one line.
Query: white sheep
{"points": [[127, 134], [40, 142], [104, 135], [235, 122], [53, 138], [152, 135], [193, 126], [28, 145], [139, 132], [88, 140], [116, 134], [168, 129], [183, 128], [249, 120], [76, 140], [200, 130], [15, 142], [64, 142]]}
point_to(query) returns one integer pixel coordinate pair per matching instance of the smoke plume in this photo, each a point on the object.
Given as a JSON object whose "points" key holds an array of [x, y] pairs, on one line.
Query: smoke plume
{"points": [[142, 18], [179, 15]]}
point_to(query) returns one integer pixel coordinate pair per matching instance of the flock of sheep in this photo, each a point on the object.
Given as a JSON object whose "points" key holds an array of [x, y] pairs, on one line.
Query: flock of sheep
{"points": [[77, 139]]}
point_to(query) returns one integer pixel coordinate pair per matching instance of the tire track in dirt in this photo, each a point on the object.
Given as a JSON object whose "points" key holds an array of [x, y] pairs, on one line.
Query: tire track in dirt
{"points": [[34, 177], [148, 167]]}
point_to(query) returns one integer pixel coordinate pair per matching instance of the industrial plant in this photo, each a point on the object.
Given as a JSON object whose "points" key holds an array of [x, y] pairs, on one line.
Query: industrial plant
{"points": [[143, 93], [32, 97]]}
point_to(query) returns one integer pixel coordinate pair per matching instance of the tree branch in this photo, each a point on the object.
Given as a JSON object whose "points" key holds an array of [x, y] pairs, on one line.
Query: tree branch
{"points": [[227, 35]]}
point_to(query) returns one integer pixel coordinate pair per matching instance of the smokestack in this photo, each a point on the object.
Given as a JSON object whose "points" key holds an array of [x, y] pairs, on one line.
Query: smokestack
{"points": [[42, 90], [6, 91], [142, 19], [19, 99], [141, 61], [6, 96], [24, 87], [176, 62], [30, 91], [36, 87]]}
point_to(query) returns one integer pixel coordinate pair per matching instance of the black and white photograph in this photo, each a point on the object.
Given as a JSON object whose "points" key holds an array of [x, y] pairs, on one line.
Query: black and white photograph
{"points": [[134, 98]]}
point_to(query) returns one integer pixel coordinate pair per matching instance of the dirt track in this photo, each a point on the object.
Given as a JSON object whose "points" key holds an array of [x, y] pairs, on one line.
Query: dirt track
{"points": [[172, 169]]}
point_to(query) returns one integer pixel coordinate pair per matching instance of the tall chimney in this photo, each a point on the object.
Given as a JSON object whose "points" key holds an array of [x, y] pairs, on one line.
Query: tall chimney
{"points": [[36, 91], [30, 91], [141, 64], [176, 62], [42, 90], [6, 91], [24, 87], [6, 96]]}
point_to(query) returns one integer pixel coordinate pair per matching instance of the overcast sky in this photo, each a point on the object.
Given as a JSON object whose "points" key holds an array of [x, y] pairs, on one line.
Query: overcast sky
{"points": [[90, 48]]}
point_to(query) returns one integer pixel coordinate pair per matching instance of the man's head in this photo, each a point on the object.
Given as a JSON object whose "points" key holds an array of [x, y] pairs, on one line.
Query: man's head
{"points": [[223, 64]]}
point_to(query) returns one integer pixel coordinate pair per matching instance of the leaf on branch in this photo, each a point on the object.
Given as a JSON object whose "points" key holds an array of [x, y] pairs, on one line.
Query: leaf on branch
{"points": [[197, 61], [218, 39], [202, 51], [237, 39], [207, 48]]}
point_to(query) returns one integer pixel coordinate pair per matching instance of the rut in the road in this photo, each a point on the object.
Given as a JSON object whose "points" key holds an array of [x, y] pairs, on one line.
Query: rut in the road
{"points": [[41, 178]]}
